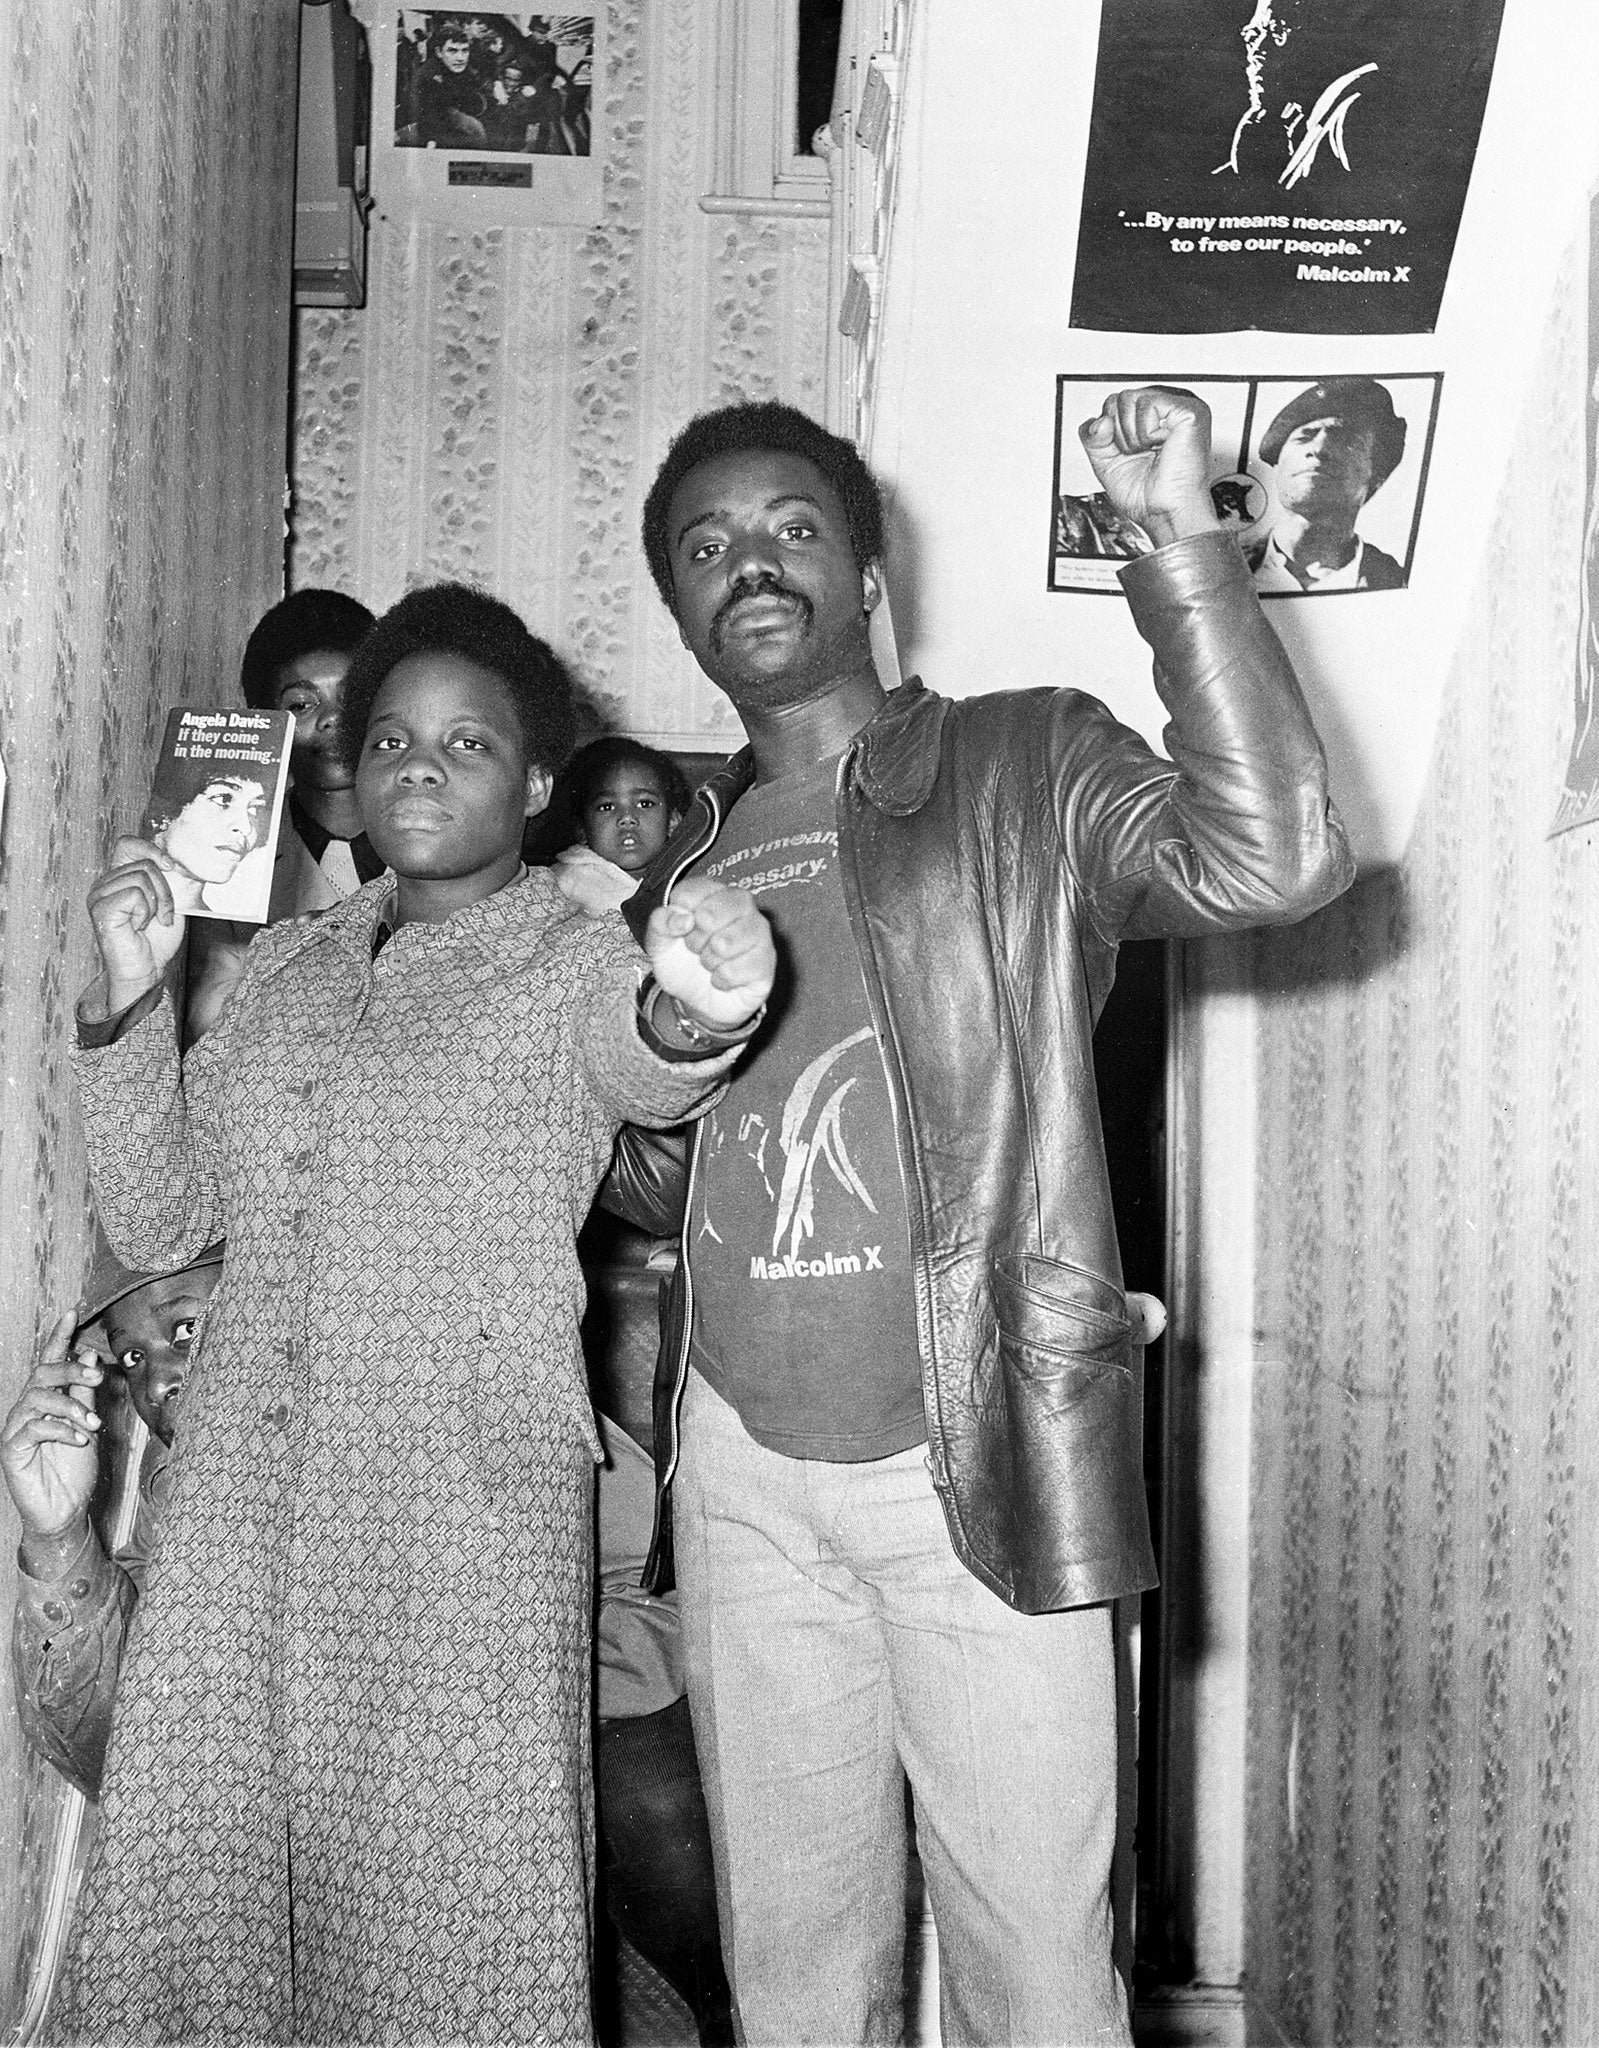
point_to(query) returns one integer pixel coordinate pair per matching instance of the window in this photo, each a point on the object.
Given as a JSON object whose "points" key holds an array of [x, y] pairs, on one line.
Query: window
{"points": [[776, 62]]}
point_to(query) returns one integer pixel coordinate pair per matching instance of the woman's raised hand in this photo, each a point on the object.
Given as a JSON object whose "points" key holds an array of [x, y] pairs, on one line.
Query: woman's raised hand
{"points": [[137, 923]]}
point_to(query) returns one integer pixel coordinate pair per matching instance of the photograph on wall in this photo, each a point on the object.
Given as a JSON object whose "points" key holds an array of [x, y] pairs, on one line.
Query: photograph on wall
{"points": [[1579, 799], [1321, 480], [1299, 165], [486, 114]]}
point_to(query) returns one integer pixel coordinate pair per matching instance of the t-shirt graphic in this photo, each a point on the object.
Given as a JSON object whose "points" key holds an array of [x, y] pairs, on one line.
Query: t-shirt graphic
{"points": [[796, 1201], [804, 1308]]}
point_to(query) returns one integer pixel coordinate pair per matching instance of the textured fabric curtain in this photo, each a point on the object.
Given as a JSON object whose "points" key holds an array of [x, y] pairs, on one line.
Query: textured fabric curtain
{"points": [[148, 151]]}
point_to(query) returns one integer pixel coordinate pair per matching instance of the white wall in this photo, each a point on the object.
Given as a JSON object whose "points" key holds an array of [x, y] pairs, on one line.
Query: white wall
{"points": [[975, 332]]}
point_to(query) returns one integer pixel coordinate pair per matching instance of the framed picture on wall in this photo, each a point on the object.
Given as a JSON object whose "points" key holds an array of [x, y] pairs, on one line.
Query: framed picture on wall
{"points": [[485, 114], [1320, 478]]}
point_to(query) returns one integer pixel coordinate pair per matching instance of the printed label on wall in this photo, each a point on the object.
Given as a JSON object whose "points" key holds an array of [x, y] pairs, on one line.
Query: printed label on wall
{"points": [[1289, 164], [1321, 479]]}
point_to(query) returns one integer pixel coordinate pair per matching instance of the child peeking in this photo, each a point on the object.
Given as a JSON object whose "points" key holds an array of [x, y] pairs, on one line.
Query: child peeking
{"points": [[296, 661], [627, 799], [348, 1793], [91, 1568]]}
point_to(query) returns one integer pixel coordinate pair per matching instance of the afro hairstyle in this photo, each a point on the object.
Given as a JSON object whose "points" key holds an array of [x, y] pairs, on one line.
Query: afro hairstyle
{"points": [[590, 765], [736, 429], [452, 618], [183, 781], [306, 622]]}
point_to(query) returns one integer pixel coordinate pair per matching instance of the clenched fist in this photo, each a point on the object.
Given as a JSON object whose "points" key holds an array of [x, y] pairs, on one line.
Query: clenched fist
{"points": [[1150, 449], [711, 947]]}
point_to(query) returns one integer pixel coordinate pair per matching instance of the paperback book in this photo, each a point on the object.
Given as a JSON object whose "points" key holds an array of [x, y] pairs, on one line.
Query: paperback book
{"points": [[216, 804]]}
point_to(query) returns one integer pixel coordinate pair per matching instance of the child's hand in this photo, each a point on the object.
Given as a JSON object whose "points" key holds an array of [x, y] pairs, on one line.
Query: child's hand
{"points": [[47, 1447], [137, 925], [711, 947]]}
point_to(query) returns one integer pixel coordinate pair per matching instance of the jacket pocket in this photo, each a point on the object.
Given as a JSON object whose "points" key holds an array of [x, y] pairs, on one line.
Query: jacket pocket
{"points": [[1069, 1375], [1051, 1314]]}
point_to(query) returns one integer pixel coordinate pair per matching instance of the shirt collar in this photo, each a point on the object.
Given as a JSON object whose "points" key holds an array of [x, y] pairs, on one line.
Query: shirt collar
{"points": [[316, 839], [1346, 578]]}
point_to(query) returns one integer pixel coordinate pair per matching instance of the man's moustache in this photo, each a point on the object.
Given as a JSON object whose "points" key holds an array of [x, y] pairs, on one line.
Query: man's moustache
{"points": [[766, 586]]}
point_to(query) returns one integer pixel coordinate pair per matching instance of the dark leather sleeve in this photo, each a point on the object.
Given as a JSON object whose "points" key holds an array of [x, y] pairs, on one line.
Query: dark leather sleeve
{"points": [[1237, 828], [648, 1179], [660, 1565]]}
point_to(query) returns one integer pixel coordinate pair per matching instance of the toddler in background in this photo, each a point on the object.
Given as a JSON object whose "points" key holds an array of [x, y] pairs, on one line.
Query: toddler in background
{"points": [[656, 1875], [626, 799]]}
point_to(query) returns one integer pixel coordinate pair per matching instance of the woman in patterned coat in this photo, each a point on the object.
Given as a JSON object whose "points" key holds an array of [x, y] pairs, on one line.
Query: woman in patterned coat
{"points": [[347, 1796]]}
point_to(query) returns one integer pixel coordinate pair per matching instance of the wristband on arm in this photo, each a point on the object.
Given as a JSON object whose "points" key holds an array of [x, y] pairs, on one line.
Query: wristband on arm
{"points": [[692, 1038]]}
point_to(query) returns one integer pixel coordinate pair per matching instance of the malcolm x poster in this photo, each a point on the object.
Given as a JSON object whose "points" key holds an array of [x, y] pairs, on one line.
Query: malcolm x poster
{"points": [[1289, 164]]}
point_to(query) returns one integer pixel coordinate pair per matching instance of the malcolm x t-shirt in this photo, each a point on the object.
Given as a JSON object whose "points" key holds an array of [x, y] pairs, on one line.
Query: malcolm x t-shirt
{"points": [[804, 1309]]}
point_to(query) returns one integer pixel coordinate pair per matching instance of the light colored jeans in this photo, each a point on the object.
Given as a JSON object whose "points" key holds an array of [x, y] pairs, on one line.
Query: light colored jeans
{"points": [[834, 1646]]}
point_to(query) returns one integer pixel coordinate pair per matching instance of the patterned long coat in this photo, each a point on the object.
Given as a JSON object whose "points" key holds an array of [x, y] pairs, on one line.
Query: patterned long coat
{"points": [[348, 1795]]}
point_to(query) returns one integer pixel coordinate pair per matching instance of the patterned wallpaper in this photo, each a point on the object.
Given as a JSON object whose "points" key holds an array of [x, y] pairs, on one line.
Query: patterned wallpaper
{"points": [[496, 411], [1422, 1793], [148, 167]]}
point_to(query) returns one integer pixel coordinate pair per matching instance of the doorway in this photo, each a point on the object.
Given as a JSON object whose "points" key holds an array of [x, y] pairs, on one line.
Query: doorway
{"points": [[1130, 1067]]}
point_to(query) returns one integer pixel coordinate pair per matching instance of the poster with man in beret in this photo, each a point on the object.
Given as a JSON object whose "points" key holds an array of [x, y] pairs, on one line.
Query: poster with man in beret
{"points": [[1320, 480], [1333, 446]]}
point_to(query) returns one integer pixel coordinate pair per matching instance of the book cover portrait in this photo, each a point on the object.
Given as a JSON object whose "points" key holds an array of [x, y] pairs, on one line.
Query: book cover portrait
{"points": [[215, 804]]}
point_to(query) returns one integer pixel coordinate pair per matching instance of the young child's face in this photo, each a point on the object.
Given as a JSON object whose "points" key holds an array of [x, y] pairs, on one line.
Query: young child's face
{"points": [[626, 820], [312, 688], [444, 782], [148, 1334]]}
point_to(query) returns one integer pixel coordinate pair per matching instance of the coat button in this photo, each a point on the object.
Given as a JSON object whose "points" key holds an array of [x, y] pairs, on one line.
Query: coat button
{"points": [[55, 1611], [79, 1589], [275, 1412]]}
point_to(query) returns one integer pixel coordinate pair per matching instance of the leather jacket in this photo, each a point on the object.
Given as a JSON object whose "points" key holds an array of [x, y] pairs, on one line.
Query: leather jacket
{"points": [[994, 851]]}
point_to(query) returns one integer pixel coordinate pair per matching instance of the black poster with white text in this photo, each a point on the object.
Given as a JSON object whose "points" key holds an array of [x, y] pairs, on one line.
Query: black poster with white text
{"points": [[1298, 165]]}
